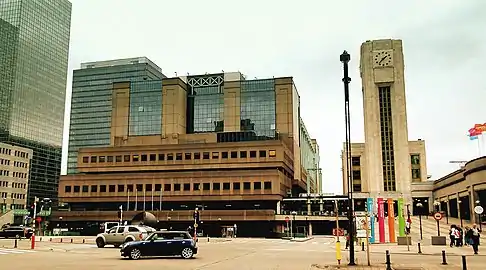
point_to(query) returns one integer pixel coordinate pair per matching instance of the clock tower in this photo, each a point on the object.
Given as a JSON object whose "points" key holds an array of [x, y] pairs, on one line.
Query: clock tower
{"points": [[388, 168]]}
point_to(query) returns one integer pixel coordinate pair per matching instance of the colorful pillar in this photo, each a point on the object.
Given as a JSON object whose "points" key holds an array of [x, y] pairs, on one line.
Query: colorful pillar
{"points": [[401, 218], [381, 220], [391, 220], [369, 202]]}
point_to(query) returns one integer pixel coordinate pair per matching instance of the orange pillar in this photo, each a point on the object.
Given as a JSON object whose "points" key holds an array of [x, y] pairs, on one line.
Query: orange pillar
{"points": [[391, 221]]}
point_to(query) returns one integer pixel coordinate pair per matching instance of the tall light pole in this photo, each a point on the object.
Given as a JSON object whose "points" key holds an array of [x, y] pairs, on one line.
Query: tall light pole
{"points": [[420, 205], [460, 211], [345, 58]]}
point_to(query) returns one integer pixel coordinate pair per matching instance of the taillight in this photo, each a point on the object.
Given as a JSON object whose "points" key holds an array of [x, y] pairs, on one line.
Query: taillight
{"points": [[141, 236]]}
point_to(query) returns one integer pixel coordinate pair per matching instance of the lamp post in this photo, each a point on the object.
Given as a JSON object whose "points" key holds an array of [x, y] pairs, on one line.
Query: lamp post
{"points": [[437, 205], [447, 211], [419, 206], [345, 58], [460, 211], [293, 213]]}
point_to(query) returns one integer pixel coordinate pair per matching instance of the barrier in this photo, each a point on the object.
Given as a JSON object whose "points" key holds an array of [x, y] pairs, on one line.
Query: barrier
{"points": [[444, 260], [388, 260]]}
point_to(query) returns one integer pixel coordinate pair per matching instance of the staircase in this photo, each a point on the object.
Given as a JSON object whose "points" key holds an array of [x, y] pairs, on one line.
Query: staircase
{"points": [[7, 217]]}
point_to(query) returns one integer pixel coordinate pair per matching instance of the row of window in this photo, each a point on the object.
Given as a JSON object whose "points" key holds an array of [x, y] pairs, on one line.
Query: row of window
{"points": [[20, 164], [169, 187], [4, 161], [179, 156], [5, 151], [17, 153], [14, 174]]}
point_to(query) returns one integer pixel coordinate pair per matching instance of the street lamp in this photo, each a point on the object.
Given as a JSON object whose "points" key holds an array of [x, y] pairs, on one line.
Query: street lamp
{"points": [[345, 58], [437, 204], [420, 205], [293, 213], [460, 212], [447, 211]]}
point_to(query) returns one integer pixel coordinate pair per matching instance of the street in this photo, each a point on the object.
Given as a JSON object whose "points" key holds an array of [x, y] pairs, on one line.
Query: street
{"points": [[239, 253]]}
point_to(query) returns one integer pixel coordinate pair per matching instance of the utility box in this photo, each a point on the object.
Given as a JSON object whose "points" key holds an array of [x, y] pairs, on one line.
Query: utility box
{"points": [[439, 240], [402, 240]]}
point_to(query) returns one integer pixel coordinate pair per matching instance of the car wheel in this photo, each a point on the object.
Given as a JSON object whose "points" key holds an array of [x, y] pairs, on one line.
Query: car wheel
{"points": [[135, 254], [100, 242], [17, 236], [187, 253], [128, 240]]}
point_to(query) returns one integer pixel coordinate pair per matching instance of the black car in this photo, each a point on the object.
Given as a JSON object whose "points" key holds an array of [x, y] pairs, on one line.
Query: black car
{"points": [[15, 232], [161, 243]]}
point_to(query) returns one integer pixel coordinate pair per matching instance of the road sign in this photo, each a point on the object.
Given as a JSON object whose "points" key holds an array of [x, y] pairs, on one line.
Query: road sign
{"points": [[287, 219], [438, 216], [38, 219], [478, 210]]}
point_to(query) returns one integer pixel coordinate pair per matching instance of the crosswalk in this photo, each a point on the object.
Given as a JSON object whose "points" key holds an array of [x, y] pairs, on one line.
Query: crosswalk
{"points": [[7, 251]]}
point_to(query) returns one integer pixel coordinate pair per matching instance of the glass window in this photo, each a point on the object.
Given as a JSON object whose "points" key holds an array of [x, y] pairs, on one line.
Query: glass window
{"points": [[85, 159], [267, 185], [272, 153], [247, 185], [257, 107], [130, 188], [355, 161], [111, 188], [161, 157], [178, 156], [158, 187], [216, 186], [94, 188], [206, 186], [148, 187], [93, 159], [153, 157], [234, 154], [226, 186], [253, 154], [135, 158], [102, 159], [145, 108], [187, 187], [177, 187], [76, 189], [257, 185], [85, 188], [197, 155], [356, 175], [67, 189], [263, 153], [121, 188], [236, 186], [187, 156], [196, 186], [109, 159], [102, 188], [167, 187], [170, 156], [242, 154], [139, 187], [126, 158], [224, 154], [208, 109], [415, 159], [215, 155], [143, 158]]}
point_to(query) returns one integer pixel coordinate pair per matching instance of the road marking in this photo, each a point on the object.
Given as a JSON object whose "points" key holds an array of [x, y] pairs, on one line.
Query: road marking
{"points": [[4, 251]]}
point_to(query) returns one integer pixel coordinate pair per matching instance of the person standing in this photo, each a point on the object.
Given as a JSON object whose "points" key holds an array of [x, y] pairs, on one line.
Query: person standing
{"points": [[475, 235], [452, 235]]}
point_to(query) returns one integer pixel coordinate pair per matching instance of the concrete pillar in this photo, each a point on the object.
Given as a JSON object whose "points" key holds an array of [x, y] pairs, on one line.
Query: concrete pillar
{"points": [[310, 229], [278, 208], [308, 207], [458, 206], [448, 207], [321, 205], [473, 196]]}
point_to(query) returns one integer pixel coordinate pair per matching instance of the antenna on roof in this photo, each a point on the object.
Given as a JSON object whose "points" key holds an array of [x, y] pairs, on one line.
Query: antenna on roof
{"points": [[175, 74]]}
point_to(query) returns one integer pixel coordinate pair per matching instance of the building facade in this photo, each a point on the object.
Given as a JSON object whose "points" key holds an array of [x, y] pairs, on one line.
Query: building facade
{"points": [[229, 146], [387, 163], [14, 176], [34, 40]]}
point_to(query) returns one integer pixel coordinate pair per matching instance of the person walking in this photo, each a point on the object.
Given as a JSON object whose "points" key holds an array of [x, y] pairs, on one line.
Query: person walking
{"points": [[475, 235], [467, 236], [452, 235], [459, 237]]}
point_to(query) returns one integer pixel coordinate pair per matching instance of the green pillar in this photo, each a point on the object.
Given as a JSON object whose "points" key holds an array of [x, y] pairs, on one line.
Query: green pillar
{"points": [[401, 219]]}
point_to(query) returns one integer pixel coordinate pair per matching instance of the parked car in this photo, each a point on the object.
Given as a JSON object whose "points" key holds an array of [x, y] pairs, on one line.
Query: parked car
{"points": [[16, 232], [122, 234], [161, 243]]}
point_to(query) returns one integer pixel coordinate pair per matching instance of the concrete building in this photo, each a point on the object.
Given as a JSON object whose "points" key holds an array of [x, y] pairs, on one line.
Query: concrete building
{"points": [[387, 163], [14, 176], [231, 147], [34, 49]]}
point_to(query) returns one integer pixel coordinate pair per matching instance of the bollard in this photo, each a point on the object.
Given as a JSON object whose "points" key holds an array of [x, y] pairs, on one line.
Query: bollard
{"points": [[208, 238], [419, 249], [83, 241], [71, 240], [444, 261], [362, 246], [50, 239], [464, 264], [388, 261], [61, 240], [32, 241], [15, 244], [40, 239]]}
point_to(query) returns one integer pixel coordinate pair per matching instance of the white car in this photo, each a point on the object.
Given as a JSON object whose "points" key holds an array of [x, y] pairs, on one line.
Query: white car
{"points": [[122, 234]]}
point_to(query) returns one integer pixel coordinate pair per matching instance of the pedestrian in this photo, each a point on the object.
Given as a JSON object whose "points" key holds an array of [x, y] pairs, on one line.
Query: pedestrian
{"points": [[467, 236], [475, 235], [347, 241], [408, 224], [458, 236], [452, 235]]}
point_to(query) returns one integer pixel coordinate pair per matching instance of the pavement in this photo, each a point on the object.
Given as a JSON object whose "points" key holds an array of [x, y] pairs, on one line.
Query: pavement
{"points": [[239, 253]]}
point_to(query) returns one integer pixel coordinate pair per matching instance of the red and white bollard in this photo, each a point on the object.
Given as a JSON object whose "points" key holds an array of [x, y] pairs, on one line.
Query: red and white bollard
{"points": [[32, 241]]}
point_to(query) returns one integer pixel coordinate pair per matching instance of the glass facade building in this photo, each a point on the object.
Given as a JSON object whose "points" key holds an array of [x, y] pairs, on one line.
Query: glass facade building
{"points": [[91, 102], [258, 107], [34, 49]]}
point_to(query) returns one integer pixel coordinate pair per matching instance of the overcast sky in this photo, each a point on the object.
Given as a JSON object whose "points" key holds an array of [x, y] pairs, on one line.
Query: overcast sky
{"points": [[445, 56]]}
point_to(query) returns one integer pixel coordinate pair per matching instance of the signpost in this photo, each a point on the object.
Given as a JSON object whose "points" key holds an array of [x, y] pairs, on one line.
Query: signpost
{"points": [[438, 217], [479, 210]]}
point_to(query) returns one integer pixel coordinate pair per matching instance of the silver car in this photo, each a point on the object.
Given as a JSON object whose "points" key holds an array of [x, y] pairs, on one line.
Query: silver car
{"points": [[122, 234]]}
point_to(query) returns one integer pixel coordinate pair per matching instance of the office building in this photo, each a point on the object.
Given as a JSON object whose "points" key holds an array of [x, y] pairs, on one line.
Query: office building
{"points": [[34, 45], [229, 146], [387, 164]]}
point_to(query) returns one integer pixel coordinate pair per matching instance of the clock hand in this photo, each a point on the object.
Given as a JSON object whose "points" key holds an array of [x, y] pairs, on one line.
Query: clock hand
{"points": [[383, 59]]}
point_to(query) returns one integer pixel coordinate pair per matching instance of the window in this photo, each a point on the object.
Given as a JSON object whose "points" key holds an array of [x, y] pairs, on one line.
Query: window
{"points": [[111, 188], [167, 187], [93, 159], [215, 155], [257, 185], [206, 186], [206, 155], [416, 174], [196, 186], [161, 157], [177, 187], [252, 154], [76, 189], [148, 187], [85, 189], [224, 154], [130, 188], [263, 153], [67, 189], [135, 158], [357, 187], [85, 160], [197, 155], [242, 154], [158, 187], [121, 188], [139, 187], [187, 156], [178, 156], [109, 159], [121, 229], [234, 154], [94, 189], [267, 185], [102, 159], [143, 158], [187, 186], [126, 158], [102, 188], [226, 186], [170, 156], [272, 153], [247, 185], [356, 175], [236, 186], [132, 229], [415, 159], [216, 186], [153, 157]]}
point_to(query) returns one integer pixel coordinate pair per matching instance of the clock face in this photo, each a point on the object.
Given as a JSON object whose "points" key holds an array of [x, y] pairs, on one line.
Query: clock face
{"points": [[383, 59]]}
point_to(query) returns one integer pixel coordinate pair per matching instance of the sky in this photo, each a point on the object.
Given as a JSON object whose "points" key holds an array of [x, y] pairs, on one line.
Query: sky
{"points": [[445, 56]]}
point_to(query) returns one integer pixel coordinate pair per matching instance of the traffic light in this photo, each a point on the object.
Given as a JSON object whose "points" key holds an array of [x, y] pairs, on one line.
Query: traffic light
{"points": [[120, 212]]}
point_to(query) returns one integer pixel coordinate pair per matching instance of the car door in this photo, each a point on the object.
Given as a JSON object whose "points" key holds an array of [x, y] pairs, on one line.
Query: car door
{"points": [[155, 245], [120, 235], [111, 235], [181, 240]]}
